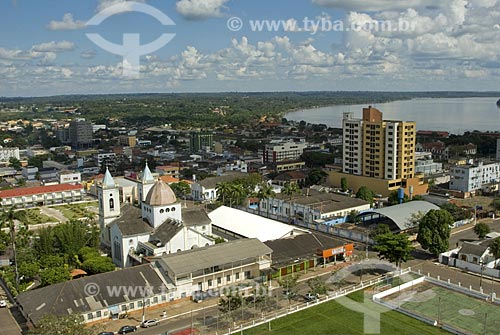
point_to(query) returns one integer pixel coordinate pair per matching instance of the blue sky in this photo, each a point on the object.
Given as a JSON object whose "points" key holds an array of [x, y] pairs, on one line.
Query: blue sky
{"points": [[356, 45]]}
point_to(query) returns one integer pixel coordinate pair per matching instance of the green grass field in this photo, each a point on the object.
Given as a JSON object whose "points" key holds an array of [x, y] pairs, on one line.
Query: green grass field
{"points": [[35, 216], [453, 308], [333, 318]]}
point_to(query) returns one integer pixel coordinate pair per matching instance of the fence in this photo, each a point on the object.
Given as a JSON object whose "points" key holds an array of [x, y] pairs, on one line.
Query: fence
{"points": [[267, 318], [437, 281]]}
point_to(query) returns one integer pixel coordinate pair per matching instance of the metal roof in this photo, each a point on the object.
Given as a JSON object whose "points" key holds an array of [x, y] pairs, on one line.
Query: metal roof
{"points": [[401, 214], [186, 262], [250, 225]]}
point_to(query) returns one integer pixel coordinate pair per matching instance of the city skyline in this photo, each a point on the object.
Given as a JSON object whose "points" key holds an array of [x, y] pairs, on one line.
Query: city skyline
{"points": [[230, 45]]}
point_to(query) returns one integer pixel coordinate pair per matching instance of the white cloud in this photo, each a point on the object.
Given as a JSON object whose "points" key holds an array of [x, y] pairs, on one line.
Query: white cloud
{"points": [[200, 9], [373, 5], [103, 4], [67, 23], [54, 46]]}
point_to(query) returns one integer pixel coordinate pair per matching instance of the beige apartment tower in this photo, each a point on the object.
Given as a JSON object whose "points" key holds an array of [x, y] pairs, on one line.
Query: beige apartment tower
{"points": [[377, 148]]}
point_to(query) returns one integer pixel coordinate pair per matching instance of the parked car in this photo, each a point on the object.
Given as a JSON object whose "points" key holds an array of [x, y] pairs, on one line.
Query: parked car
{"points": [[150, 323], [106, 333], [127, 329], [311, 296], [3, 303]]}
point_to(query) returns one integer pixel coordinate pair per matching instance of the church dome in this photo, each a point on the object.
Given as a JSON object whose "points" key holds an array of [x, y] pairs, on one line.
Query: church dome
{"points": [[160, 195]]}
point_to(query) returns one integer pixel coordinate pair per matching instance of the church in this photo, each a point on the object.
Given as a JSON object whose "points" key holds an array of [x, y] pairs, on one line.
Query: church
{"points": [[157, 226]]}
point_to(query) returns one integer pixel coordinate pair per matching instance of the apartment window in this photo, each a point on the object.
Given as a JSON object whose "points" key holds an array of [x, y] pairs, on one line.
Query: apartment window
{"points": [[90, 316], [237, 276], [131, 305], [98, 314], [248, 274], [210, 282], [219, 280], [228, 278]]}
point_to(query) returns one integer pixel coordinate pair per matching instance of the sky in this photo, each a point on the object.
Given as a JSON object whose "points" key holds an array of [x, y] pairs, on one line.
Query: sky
{"points": [[248, 45]]}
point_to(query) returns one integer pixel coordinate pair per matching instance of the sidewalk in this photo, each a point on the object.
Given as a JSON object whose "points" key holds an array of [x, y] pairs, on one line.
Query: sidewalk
{"points": [[186, 307]]}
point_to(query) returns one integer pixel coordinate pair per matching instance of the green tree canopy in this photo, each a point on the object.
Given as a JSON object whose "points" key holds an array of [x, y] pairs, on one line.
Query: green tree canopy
{"points": [[63, 325], [434, 230], [496, 204], [97, 265], [54, 275], [343, 184], [365, 194], [495, 248], [181, 189], [481, 229], [15, 163], [395, 248]]}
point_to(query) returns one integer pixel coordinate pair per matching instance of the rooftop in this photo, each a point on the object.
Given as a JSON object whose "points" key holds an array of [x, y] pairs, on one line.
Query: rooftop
{"points": [[250, 225], [26, 191], [401, 214], [130, 222], [70, 298], [186, 262]]}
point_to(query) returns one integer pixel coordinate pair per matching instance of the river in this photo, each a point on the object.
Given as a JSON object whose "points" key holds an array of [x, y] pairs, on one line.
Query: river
{"points": [[453, 115]]}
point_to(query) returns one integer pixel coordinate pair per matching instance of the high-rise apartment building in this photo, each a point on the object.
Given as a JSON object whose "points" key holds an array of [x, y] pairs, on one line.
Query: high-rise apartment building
{"points": [[80, 133], [378, 148], [201, 141], [379, 154]]}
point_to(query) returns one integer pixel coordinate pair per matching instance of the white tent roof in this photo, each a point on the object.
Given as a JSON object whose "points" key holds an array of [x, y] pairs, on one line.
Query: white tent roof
{"points": [[251, 225]]}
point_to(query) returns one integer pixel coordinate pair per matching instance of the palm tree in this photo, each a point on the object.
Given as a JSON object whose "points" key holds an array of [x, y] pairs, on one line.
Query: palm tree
{"points": [[7, 217], [223, 189], [237, 193], [290, 189], [495, 249], [265, 192]]}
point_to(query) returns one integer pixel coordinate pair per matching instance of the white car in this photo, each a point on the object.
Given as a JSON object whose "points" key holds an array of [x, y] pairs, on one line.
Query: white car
{"points": [[3, 303], [150, 323]]}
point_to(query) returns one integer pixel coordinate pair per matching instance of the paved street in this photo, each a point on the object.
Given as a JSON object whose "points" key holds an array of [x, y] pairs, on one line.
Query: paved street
{"points": [[466, 233]]}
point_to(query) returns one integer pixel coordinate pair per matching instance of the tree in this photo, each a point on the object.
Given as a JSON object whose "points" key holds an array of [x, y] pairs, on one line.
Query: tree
{"points": [[317, 286], [481, 229], [394, 198], [55, 275], [97, 265], [316, 177], [381, 230], [15, 163], [343, 184], [365, 194], [396, 248], [496, 204], [455, 211], [495, 249], [434, 231], [290, 189], [289, 282], [265, 192], [181, 189], [29, 270], [64, 325], [353, 217], [7, 217], [230, 303]]}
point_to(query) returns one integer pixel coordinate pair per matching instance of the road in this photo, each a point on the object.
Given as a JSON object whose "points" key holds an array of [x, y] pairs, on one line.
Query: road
{"points": [[468, 234]]}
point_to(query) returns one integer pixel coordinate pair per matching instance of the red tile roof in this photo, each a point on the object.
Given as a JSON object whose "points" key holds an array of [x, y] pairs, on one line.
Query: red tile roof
{"points": [[19, 192]]}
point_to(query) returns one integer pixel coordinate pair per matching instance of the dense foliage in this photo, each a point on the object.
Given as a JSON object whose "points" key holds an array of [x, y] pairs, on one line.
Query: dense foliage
{"points": [[434, 231]]}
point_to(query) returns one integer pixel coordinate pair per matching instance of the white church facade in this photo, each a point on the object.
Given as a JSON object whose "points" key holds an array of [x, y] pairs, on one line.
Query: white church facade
{"points": [[159, 226]]}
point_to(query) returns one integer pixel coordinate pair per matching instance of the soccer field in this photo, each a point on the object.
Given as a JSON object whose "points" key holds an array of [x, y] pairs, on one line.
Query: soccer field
{"points": [[450, 307], [333, 318]]}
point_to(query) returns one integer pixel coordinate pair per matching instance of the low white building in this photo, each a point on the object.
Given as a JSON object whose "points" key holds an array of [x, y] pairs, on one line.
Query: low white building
{"points": [[215, 267], [41, 195], [310, 206], [67, 177], [7, 153], [470, 178], [206, 189]]}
